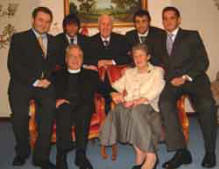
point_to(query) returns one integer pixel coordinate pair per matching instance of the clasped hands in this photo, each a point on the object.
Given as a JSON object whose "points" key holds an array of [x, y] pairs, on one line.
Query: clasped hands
{"points": [[43, 83], [119, 98], [178, 81]]}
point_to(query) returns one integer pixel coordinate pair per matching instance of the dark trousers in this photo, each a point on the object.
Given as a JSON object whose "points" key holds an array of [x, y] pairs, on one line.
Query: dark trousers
{"points": [[19, 98], [68, 115], [105, 89], [204, 104]]}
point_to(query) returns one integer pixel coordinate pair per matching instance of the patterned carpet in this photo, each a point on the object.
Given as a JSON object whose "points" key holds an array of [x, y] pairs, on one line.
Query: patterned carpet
{"points": [[125, 158]]}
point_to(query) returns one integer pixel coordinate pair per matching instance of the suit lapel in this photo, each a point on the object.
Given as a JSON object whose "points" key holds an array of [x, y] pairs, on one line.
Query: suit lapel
{"points": [[177, 42], [34, 43], [136, 38]]}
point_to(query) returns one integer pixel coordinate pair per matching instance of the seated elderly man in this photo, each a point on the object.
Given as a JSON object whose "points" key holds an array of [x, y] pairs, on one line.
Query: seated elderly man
{"points": [[75, 88], [107, 48]]}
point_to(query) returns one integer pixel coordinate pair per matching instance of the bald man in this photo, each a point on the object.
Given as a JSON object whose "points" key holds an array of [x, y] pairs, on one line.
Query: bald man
{"points": [[108, 48], [75, 88]]}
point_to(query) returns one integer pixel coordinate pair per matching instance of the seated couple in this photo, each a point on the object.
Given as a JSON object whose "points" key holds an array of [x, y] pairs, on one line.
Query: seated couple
{"points": [[136, 118]]}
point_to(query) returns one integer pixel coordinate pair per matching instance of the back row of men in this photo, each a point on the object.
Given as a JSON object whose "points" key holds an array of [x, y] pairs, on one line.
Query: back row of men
{"points": [[34, 54]]}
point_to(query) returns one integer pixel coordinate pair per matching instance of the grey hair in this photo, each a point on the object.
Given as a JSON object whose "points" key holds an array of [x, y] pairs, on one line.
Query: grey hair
{"points": [[142, 47], [105, 15], [73, 46]]}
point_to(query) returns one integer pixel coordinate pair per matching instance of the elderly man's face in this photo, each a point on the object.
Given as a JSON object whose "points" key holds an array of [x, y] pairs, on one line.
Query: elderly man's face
{"points": [[105, 26], [74, 59]]}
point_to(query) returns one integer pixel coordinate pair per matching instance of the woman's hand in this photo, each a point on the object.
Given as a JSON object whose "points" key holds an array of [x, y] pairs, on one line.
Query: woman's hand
{"points": [[128, 104], [117, 97], [140, 101]]}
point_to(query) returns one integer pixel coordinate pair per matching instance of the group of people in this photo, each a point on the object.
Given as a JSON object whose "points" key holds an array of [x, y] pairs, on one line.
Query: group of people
{"points": [[61, 74]]}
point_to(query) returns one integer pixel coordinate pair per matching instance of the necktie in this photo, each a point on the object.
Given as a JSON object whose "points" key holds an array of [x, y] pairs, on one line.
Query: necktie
{"points": [[142, 39], [40, 40], [169, 43], [106, 43], [71, 41]]}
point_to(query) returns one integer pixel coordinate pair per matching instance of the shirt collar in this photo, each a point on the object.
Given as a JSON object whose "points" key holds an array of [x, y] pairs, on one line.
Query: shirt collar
{"points": [[105, 39], [69, 38], [174, 33], [38, 34], [71, 71], [144, 34]]}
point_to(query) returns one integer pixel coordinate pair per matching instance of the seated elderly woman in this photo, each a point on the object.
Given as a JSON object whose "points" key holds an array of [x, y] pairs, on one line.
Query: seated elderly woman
{"points": [[136, 119]]}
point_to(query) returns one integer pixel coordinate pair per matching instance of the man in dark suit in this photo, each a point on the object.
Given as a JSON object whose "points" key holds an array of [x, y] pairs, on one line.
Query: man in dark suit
{"points": [[185, 61], [31, 61], [144, 33], [107, 48], [75, 104], [71, 26]]}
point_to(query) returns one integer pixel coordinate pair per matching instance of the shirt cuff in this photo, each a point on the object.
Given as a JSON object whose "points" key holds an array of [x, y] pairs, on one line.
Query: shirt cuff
{"points": [[187, 77], [114, 62], [36, 83]]}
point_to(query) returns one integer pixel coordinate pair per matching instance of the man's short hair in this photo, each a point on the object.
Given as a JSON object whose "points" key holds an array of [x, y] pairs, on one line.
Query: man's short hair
{"points": [[42, 9], [141, 13], [71, 19], [73, 46], [171, 8]]}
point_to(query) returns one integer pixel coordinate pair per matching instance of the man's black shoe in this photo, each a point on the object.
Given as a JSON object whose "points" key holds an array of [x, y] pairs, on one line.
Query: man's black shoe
{"points": [[61, 161], [180, 157], [209, 160], [45, 165], [18, 161], [81, 160]]}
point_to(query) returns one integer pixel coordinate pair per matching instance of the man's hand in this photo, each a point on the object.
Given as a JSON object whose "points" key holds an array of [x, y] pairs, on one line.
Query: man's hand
{"points": [[178, 81], [59, 102], [117, 97], [104, 63], [44, 83], [90, 67]]}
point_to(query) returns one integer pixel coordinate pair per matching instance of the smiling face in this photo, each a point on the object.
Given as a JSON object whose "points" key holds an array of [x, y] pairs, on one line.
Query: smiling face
{"points": [[105, 26], [140, 58], [171, 21], [42, 22], [74, 58], [142, 24], [71, 29]]}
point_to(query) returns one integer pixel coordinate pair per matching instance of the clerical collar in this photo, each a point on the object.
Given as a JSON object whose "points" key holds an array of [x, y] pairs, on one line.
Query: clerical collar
{"points": [[71, 71], [105, 39], [144, 34]]}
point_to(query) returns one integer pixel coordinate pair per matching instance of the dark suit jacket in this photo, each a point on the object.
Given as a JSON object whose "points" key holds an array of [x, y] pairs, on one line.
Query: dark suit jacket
{"points": [[62, 43], [26, 61], [152, 39], [117, 49], [188, 55], [89, 84]]}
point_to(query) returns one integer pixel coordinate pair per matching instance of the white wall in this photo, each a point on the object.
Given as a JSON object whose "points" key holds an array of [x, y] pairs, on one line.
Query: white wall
{"points": [[197, 14]]}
